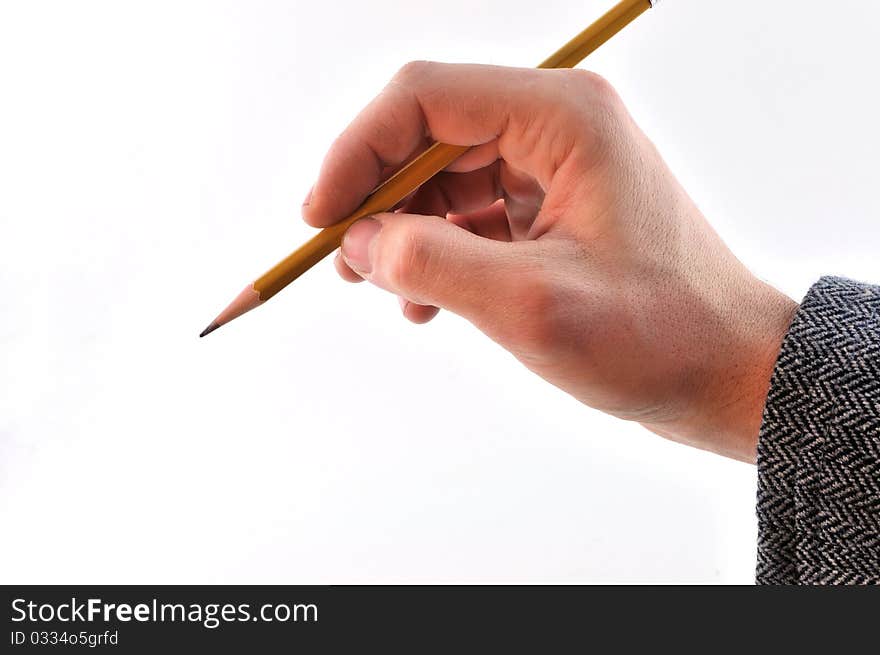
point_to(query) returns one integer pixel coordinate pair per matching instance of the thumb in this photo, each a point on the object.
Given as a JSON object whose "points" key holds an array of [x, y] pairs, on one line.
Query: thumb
{"points": [[431, 261]]}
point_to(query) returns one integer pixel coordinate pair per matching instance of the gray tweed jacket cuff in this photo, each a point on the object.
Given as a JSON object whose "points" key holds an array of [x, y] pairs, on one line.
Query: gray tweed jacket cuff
{"points": [[819, 446]]}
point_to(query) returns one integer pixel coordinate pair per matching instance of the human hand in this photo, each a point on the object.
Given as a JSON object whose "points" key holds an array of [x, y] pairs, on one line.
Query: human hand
{"points": [[565, 238]]}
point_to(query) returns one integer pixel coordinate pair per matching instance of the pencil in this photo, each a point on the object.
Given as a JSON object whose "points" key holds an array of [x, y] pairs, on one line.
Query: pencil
{"points": [[413, 175]]}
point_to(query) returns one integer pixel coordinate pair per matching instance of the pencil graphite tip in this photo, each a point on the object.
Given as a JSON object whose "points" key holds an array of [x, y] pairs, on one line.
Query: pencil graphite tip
{"points": [[213, 326]]}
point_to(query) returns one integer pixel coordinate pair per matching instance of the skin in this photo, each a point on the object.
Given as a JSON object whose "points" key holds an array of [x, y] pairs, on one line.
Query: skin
{"points": [[564, 237]]}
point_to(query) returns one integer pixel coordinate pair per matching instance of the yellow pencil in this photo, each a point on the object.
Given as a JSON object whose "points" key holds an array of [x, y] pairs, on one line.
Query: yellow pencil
{"points": [[413, 175]]}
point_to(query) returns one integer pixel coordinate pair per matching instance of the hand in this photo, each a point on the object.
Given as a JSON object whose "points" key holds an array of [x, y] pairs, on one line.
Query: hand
{"points": [[564, 237]]}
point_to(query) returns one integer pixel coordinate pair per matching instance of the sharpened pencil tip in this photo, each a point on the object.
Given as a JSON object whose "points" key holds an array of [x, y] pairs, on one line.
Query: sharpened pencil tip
{"points": [[213, 326]]}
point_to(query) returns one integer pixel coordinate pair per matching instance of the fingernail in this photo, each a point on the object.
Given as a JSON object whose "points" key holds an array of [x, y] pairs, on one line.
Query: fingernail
{"points": [[308, 196], [356, 244]]}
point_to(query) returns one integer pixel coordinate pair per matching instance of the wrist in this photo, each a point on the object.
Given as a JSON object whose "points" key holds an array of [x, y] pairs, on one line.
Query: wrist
{"points": [[775, 317], [740, 393], [727, 397]]}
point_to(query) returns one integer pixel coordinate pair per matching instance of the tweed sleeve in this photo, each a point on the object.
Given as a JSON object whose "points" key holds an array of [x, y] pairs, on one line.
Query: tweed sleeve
{"points": [[819, 447]]}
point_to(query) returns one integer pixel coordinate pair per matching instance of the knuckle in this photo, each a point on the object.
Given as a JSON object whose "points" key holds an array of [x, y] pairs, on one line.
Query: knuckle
{"points": [[408, 257], [592, 84], [593, 104], [589, 96], [412, 71]]}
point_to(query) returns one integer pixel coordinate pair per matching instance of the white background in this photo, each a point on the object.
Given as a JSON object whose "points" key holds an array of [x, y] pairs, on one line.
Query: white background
{"points": [[153, 157]]}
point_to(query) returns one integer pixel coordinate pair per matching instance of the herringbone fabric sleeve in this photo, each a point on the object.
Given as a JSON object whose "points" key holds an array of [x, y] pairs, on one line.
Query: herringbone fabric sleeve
{"points": [[819, 446]]}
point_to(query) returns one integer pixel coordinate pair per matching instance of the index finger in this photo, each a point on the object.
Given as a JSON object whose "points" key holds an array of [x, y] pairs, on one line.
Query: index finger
{"points": [[528, 110]]}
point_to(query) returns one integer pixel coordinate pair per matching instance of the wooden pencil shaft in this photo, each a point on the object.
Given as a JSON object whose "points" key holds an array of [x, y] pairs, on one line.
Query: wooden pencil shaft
{"points": [[434, 159], [386, 195], [588, 41]]}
